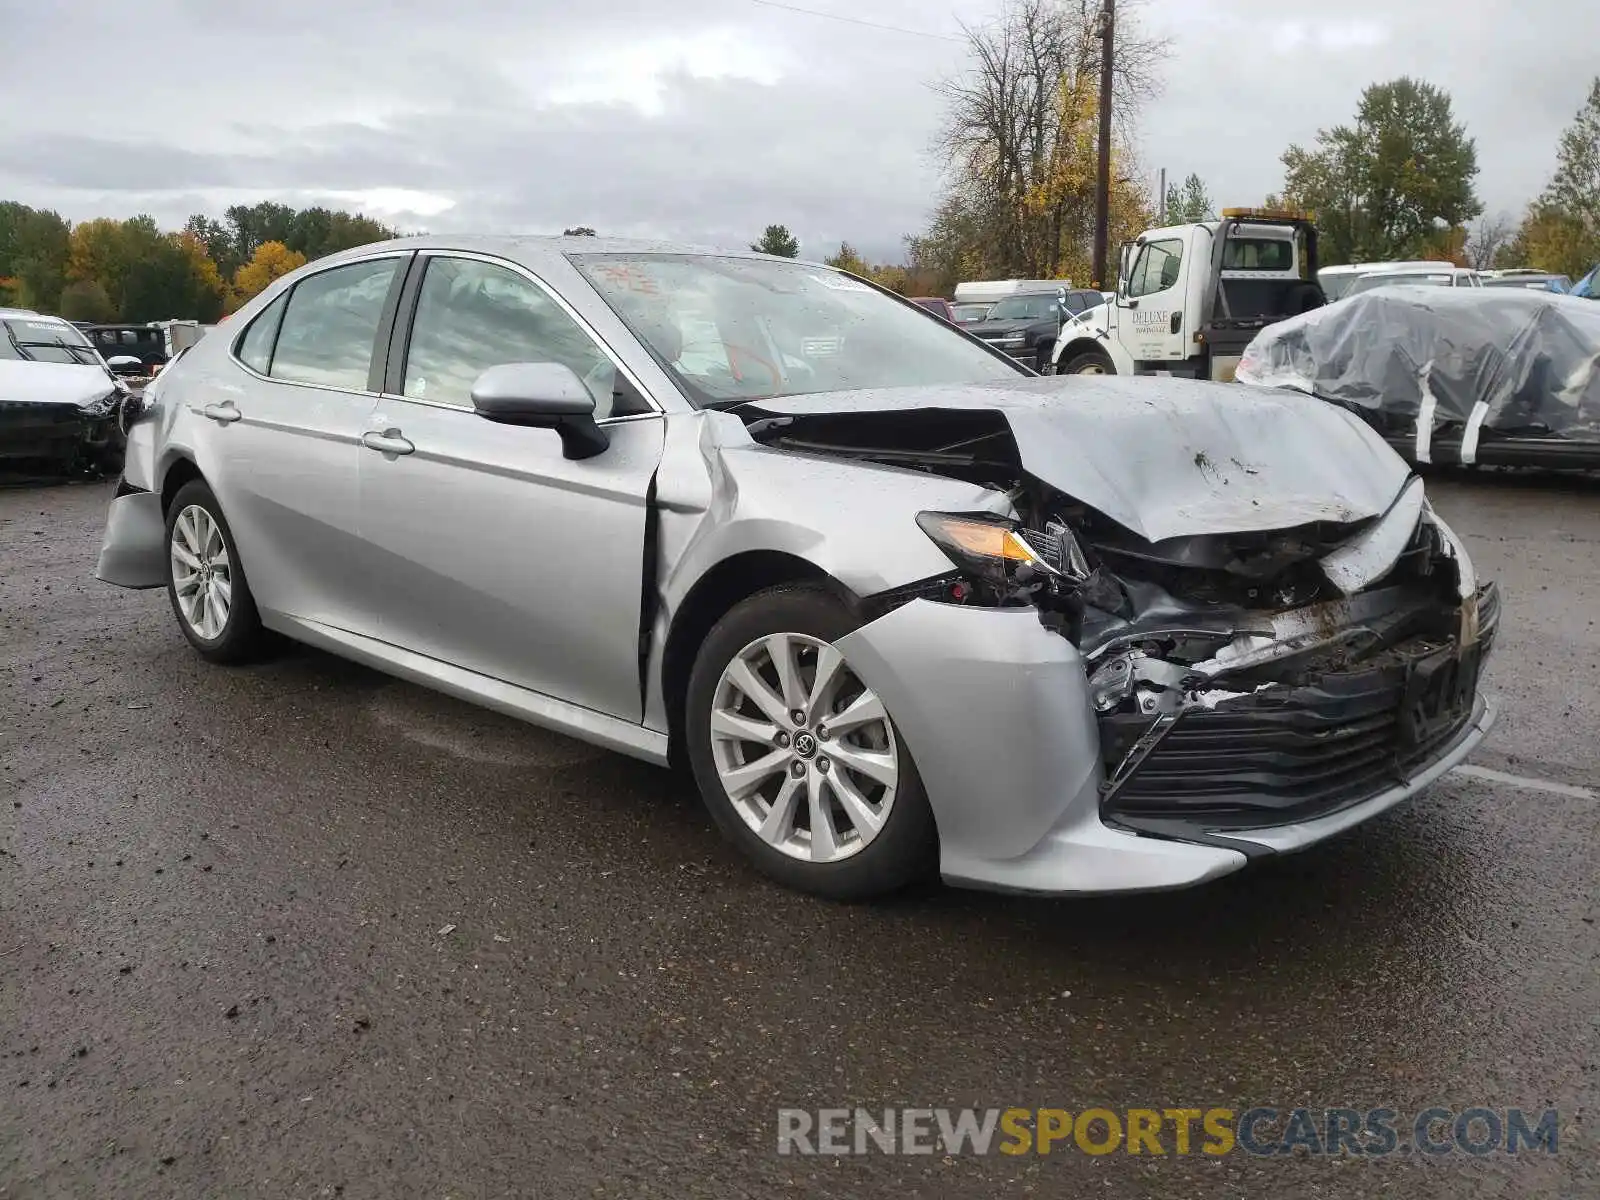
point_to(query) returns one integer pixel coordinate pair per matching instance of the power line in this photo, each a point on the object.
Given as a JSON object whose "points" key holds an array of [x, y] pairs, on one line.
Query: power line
{"points": [[811, 12]]}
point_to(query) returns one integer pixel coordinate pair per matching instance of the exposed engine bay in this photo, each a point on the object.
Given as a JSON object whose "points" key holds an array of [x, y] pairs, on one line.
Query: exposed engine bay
{"points": [[1239, 677]]}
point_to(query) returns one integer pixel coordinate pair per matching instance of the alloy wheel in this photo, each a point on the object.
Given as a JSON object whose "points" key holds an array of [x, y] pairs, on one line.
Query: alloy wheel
{"points": [[805, 751], [202, 573]]}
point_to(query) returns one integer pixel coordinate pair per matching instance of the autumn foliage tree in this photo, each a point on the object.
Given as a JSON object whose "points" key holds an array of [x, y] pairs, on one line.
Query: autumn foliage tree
{"points": [[271, 260], [1019, 136], [144, 273], [1561, 231]]}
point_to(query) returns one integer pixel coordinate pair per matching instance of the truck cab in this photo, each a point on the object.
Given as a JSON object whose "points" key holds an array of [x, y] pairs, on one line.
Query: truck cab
{"points": [[1191, 297]]}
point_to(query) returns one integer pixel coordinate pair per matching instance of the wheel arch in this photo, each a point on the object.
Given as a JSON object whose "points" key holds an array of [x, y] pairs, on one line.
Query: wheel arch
{"points": [[1085, 345], [181, 470], [714, 594]]}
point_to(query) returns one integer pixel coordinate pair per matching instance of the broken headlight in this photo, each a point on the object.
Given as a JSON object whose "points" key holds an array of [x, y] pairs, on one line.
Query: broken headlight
{"points": [[102, 406], [997, 551]]}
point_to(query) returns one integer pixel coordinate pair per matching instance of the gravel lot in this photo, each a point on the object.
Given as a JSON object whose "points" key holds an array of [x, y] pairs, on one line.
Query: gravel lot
{"points": [[302, 930]]}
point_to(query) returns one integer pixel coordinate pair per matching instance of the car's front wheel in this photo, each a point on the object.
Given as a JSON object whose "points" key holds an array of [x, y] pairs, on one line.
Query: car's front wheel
{"points": [[1090, 362], [206, 581], [797, 758]]}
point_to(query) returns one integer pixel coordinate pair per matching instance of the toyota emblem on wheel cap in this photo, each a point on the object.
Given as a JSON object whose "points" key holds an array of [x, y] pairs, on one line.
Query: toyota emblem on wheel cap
{"points": [[805, 744]]}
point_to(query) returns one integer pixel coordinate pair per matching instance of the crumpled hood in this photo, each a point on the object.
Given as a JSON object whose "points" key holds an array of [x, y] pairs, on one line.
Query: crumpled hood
{"points": [[1161, 457], [52, 383]]}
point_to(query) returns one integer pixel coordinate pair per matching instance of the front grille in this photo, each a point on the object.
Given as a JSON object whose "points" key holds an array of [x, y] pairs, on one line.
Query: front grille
{"points": [[1278, 756]]}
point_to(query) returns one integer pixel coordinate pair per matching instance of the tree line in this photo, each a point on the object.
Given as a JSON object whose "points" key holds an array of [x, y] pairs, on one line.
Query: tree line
{"points": [[132, 270], [1399, 181]]}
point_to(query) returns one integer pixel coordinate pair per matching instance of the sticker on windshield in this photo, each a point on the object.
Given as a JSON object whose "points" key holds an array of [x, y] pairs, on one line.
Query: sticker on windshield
{"points": [[841, 283]]}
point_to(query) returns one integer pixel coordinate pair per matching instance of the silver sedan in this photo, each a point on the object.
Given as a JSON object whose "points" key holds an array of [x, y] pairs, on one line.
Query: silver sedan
{"points": [[899, 604]]}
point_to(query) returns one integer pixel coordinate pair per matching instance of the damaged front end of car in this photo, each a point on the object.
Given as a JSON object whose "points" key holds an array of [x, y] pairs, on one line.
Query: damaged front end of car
{"points": [[1244, 679], [72, 439]]}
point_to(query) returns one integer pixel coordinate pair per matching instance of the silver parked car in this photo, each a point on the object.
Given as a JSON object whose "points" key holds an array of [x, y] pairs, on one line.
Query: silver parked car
{"points": [[898, 602]]}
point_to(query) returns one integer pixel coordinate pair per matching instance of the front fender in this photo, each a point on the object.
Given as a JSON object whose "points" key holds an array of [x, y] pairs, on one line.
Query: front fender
{"points": [[718, 494]]}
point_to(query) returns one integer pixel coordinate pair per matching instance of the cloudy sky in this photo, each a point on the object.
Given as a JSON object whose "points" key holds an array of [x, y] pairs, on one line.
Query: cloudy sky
{"points": [[701, 119]]}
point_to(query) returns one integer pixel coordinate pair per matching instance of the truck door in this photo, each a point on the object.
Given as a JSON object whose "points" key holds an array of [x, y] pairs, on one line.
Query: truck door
{"points": [[1150, 325]]}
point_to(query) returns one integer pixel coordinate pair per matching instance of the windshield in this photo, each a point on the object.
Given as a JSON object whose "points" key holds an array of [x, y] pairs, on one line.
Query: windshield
{"points": [[1335, 283], [736, 329], [1015, 308], [968, 313], [1416, 279], [46, 341]]}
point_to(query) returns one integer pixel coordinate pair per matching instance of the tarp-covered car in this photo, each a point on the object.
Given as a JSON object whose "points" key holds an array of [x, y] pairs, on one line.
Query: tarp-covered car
{"points": [[59, 401], [1499, 377], [897, 601]]}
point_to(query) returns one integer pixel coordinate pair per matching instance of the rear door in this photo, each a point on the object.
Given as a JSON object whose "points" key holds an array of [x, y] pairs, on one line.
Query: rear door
{"points": [[487, 548], [285, 435]]}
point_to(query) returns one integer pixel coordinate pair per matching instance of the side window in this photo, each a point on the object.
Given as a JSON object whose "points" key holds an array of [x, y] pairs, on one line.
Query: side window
{"points": [[255, 344], [474, 315], [330, 324], [1157, 268], [1075, 302]]}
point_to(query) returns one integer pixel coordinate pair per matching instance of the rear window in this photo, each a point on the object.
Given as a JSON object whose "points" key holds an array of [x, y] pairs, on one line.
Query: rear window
{"points": [[1257, 254], [331, 323]]}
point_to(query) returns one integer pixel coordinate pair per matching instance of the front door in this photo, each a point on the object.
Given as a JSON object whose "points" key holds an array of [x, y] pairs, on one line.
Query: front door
{"points": [[1150, 323], [486, 547]]}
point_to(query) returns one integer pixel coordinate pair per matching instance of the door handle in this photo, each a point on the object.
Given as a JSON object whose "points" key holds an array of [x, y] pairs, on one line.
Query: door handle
{"points": [[387, 442], [223, 414]]}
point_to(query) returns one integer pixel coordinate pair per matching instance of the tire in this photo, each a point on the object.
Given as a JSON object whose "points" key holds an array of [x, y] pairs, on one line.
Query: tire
{"points": [[238, 636], [1090, 362], [852, 860], [1044, 361]]}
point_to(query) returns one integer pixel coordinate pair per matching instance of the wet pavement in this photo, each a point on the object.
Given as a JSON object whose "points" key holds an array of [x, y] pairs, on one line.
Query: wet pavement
{"points": [[299, 929]]}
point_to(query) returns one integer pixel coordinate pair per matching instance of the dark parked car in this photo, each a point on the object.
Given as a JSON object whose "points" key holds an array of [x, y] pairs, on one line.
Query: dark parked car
{"points": [[1026, 326], [144, 342], [936, 304]]}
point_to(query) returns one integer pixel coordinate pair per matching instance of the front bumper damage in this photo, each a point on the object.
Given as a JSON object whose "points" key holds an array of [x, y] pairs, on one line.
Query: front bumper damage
{"points": [[1112, 769], [66, 439]]}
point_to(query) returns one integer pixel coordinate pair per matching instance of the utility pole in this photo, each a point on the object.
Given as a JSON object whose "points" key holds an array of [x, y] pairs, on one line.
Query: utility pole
{"points": [[1161, 199], [1102, 183]]}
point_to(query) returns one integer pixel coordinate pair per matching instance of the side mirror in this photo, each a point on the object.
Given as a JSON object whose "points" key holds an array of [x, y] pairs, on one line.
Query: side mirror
{"points": [[125, 364], [543, 395]]}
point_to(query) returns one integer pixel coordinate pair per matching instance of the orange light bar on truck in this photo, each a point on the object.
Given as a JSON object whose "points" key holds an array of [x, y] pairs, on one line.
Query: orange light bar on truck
{"points": [[1269, 214]]}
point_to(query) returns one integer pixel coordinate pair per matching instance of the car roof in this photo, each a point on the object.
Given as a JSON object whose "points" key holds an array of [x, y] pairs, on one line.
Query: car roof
{"points": [[533, 250]]}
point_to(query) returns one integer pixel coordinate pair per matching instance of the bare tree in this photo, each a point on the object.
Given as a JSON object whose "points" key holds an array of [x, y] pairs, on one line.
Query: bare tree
{"points": [[1488, 237], [1018, 134]]}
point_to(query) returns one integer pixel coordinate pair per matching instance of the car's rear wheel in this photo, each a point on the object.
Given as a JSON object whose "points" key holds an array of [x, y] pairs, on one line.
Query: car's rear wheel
{"points": [[1090, 362], [798, 761], [206, 581]]}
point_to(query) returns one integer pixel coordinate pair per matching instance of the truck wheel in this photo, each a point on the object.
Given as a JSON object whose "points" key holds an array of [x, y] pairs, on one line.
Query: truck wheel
{"points": [[1090, 362]]}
